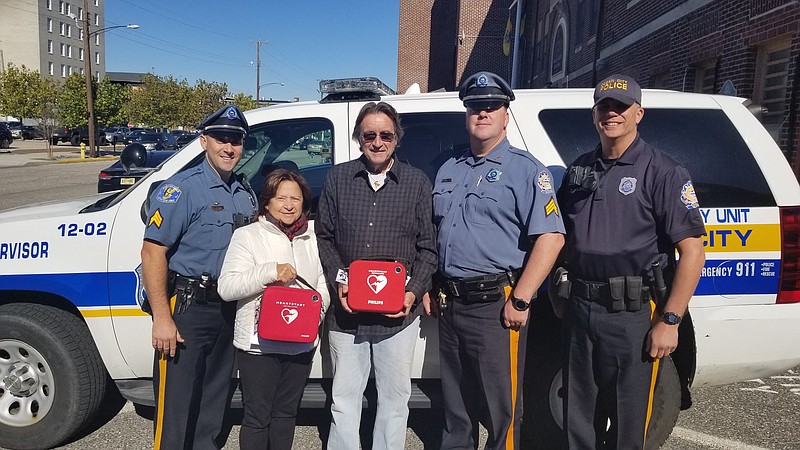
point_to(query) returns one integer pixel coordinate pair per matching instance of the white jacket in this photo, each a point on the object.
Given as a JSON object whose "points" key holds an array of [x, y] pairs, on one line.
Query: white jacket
{"points": [[251, 264]]}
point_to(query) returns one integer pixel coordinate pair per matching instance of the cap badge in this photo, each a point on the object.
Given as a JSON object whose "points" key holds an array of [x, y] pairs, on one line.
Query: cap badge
{"points": [[544, 183], [493, 175], [688, 196], [482, 80], [230, 113], [627, 185]]}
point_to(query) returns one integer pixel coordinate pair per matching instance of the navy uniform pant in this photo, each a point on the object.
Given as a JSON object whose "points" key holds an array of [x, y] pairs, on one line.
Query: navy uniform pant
{"points": [[482, 365], [193, 389], [608, 377]]}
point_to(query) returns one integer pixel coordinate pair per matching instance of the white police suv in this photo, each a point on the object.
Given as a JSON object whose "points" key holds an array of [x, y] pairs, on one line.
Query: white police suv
{"points": [[70, 272]]}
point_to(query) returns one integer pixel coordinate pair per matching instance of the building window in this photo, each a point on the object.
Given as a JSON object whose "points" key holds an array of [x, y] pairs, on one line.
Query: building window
{"points": [[50, 46], [661, 80], [96, 39], [61, 28], [50, 68], [69, 69], [69, 30], [49, 25], [559, 54], [80, 13], [97, 58], [61, 7], [96, 20], [96, 2], [50, 8], [69, 51], [80, 34], [80, 54], [69, 9], [63, 49], [772, 77], [705, 76], [63, 71]]}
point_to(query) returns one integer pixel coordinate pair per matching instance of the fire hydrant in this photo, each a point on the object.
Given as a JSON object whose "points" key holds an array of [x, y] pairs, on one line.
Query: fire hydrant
{"points": [[83, 150]]}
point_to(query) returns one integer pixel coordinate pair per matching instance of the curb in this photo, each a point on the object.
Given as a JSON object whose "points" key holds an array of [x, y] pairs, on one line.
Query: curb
{"points": [[82, 160]]}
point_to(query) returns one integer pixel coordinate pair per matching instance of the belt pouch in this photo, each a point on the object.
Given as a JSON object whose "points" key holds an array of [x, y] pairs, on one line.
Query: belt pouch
{"points": [[633, 297], [616, 286], [564, 285]]}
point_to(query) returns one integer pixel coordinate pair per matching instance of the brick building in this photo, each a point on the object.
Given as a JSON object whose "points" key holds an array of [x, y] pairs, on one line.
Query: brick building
{"points": [[750, 47]]}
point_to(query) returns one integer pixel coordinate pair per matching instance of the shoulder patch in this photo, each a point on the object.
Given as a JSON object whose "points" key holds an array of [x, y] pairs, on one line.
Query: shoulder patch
{"points": [[544, 182], [688, 196], [168, 193]]}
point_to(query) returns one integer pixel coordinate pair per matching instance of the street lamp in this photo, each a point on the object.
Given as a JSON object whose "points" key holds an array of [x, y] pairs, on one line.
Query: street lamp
{"points": [[87, 70], [258, 95]]}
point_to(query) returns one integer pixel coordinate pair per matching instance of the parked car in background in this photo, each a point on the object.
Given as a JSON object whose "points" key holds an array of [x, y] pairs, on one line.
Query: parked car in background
{"points": [[115, 135], [31, 132], [133, 133], [77, 135], [16, 129], [155, 141], [319, 148], [184, 139], [5, 136], [115, 177]]}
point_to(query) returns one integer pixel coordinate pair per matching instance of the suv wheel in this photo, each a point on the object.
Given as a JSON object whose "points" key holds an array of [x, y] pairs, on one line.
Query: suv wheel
{"points": [[75, 140], [53, 380], [5, 142]]}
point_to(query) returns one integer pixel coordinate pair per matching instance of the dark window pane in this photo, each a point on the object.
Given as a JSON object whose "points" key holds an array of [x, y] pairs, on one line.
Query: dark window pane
{"points": [[724, 172], [431, 139]]}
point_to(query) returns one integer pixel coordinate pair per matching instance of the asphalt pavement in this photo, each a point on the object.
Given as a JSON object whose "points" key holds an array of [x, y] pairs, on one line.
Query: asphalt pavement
{"points": [[34, 152]]}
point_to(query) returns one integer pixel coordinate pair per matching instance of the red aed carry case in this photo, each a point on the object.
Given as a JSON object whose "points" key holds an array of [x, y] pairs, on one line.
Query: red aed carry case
{"points": [[289, 314], [376, 286]]}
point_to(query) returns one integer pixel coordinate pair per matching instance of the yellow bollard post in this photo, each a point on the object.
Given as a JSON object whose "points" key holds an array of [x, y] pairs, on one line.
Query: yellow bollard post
{"points": [[83, 150]]}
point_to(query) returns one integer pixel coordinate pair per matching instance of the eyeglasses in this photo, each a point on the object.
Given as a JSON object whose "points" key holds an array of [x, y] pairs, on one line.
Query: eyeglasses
{"points": [[369, 136]]}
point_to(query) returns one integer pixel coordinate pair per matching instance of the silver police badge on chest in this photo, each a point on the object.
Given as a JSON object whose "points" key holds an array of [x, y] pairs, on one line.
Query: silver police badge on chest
{"points": [[493, 175], [627, 185]]}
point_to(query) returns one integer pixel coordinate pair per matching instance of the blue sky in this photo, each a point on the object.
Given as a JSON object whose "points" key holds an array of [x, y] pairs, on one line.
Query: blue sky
{"points": [[307, 40]]}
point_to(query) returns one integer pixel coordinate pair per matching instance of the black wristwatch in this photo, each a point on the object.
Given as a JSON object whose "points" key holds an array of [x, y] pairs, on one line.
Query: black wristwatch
{"points": [[520, 304], [670, 318]]}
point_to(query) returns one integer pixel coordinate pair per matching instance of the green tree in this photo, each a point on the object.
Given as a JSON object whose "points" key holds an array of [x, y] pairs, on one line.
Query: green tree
{"points": [[26, 94], [110, 102], [207, 97], [244, 102], [72, 102]]}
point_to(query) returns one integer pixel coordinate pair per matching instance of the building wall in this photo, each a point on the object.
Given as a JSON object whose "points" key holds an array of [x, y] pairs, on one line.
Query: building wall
{"points": [[685, 45], [443, 41], [25, 36]]}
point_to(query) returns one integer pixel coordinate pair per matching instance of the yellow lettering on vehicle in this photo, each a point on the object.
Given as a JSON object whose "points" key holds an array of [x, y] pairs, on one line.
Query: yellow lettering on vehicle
{"points": [[750, 238]]}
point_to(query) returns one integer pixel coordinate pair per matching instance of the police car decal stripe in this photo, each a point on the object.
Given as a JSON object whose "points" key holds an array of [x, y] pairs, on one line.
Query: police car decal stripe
{"points": [[84, 290], [742, 238], [739, 276]]}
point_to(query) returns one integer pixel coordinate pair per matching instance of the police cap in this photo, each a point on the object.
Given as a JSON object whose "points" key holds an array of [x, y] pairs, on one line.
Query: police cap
{"points": [[621, 88], [227, 120], [485, 90]]}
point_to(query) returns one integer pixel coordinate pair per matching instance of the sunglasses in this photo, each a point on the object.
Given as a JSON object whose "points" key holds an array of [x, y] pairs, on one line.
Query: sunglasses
{"points": [[369, 136]]}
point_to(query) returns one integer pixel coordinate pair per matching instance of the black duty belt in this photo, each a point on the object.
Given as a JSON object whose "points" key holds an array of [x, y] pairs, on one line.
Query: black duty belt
{"points": [[479, 289], [200, 290], [618, 294]]}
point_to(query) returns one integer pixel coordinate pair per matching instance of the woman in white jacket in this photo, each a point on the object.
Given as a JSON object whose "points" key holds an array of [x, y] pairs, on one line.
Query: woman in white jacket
{"points": [[274, 250]]}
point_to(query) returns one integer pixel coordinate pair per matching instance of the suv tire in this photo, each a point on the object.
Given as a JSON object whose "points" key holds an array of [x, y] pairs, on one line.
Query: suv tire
{"points": [[57, 378], [5, 142], [75, 140]]}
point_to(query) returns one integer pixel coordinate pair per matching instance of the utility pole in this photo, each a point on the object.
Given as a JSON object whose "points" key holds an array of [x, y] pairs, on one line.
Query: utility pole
{"points": [[258, 71], [87, 68]]}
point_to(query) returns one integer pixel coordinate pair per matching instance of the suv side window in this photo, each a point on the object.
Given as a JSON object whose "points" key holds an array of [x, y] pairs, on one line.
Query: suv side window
{"points": [[430, 139], [723, 169], [285, 144]]}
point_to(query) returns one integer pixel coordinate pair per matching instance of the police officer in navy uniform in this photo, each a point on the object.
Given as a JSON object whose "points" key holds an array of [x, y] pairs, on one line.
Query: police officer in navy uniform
{"points": [[499, 233], [191, 219], [627, 208]]}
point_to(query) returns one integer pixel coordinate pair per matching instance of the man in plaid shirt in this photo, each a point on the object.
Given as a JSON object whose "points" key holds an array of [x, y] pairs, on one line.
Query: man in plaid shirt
{"points": [[375, 207]]}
